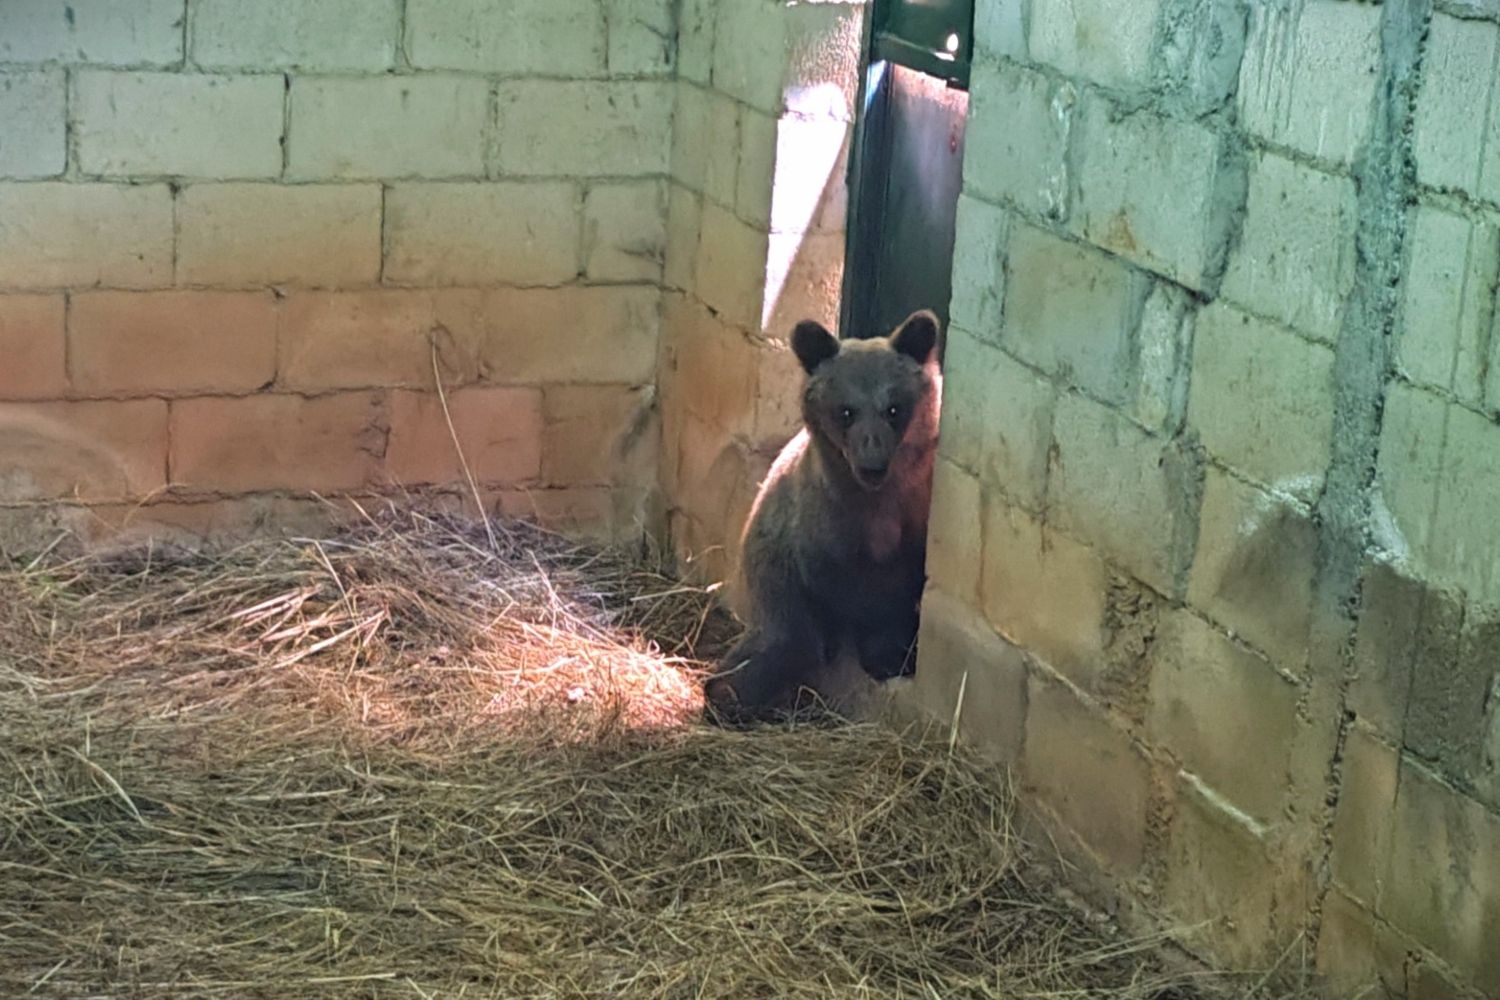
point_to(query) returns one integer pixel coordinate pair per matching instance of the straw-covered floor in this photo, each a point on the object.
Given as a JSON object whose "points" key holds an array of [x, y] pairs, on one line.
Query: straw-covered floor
{"points": [[415, 760]]}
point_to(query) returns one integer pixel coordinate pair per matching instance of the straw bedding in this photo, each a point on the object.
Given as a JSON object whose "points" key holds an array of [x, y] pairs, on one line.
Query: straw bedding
{"points": [[420, 759]]}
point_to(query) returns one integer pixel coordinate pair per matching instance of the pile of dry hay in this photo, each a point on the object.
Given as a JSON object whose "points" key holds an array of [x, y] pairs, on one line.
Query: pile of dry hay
{"points": [[399, 762]]}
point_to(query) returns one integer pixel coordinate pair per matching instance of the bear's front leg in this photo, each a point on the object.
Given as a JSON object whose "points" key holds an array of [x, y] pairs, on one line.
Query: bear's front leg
{"points": [[759, 678], [887, 649]]}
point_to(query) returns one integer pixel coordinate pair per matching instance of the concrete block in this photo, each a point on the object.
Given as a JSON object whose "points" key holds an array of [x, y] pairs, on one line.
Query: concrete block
{"points": [[1261, 400], [1223, 882], [1491, 403], [1402, 623], [1410, 467], [779, 381], [1362, 824], [792, 172], [1452, 710], [802, 58], [1159, 192], [575, 334], [611, 516], [1455, 111], [520, 232], [1199, 55], [695, 40], [33, 107], [997, 418], [599, 435], [1309, 75], [979, 242], [709, 369], [181, 125], [585, 128], [1254, 566], [674, 416], [1044, 591], [499, 429], [1447, 308], [83, 450], [1016, 140], [378, 338], [1443, 883], [1295, 259], [223, 444], [1347, 956], [756, 174], [196, 521], [804, 279], [684, 220], [954, 642], [1486, 779], [1106, 41], [1071, 310], [1130, 495], [1087, 773], [81, 235], [556, 38], [683, 437], [1000, 30], [710, 471], [101, 32], [246, 235], [624, 231], [1472, 8], [28, 531], [955, 532], [387, 127], [731, 267], [1162, 354], [1225, 713], [336, 36], [1440, 479], [706, 143], [1424, 976], [171, 342], [32, 344], [642, 37]]}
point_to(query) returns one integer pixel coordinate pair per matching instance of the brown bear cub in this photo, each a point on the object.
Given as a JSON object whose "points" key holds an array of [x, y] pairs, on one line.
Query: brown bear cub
{"points": [[833, 554]]}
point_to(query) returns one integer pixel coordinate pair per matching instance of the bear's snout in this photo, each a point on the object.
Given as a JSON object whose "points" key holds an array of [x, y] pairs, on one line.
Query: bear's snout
{"points": [[869, 455]]}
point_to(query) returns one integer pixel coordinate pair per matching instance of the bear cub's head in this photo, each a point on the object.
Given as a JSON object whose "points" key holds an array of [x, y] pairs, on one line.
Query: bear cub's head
{"points": [[864, 396]]}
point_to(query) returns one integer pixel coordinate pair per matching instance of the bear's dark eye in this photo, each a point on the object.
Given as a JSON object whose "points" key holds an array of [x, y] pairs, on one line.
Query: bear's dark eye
{"points": [[846, 416], [893, 411]]}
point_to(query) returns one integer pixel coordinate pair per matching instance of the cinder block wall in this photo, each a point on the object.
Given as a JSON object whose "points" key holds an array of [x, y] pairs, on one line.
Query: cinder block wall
{"points": [[1217, 525], [231, 231], [1215, 533]]}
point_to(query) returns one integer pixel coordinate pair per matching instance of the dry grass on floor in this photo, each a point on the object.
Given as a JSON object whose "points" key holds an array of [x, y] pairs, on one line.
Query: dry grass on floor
{"points": [[399, 763]]}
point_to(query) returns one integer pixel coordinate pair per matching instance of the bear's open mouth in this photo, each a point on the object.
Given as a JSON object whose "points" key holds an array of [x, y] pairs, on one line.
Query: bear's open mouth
{"points": [[870, 479]]}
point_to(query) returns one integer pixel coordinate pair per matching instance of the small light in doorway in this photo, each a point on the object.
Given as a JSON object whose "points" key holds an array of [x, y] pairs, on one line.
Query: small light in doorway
{"points": [[951, 45]]}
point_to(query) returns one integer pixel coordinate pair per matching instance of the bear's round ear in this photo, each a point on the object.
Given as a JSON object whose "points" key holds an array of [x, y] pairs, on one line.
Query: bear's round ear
{"points": [[813, 344], [916, 336]]}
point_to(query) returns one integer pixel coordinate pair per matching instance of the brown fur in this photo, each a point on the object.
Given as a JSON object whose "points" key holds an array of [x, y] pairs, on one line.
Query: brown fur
{"points": [[834, 549]]}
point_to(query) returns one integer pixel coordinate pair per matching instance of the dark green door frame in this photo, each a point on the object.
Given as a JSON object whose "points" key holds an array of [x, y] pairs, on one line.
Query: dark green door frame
{"points": [[933, 36], [902, 187]]}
